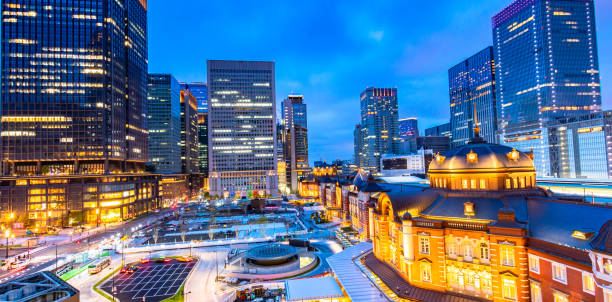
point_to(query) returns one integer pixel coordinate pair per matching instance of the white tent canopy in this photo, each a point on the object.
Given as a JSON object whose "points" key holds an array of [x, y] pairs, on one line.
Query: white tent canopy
{"points": [[312, 289]]}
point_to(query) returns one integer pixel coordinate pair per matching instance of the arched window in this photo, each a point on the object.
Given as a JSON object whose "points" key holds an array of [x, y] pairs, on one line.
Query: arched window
{"points": [[484, 251], [473, 183], [465, 183], [508, 185], [483, 184]]}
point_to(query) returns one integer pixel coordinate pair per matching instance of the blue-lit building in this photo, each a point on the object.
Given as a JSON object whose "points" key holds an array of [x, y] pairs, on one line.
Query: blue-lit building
{"points": [[73, 104], [379, 126], [200, 92], [546, 67], [578, 147], [164, 118], [439, 130], [471, 86], [408, 128]]}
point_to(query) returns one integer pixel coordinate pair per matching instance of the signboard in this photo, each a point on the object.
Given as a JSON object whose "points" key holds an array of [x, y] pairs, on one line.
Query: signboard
{"points": [[18, 225]]}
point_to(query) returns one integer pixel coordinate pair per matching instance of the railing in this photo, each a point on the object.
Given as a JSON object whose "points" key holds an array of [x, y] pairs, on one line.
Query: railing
{"points": [[466, 225]]}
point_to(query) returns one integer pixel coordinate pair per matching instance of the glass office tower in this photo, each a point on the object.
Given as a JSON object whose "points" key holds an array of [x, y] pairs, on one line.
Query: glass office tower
{"points": [[296, 139], [200, 92], [546, 67], [74, 82], [379, 126], [164, 112], [471, 86], [189, 133], [241, 128], [408, 128], [73, 127]]}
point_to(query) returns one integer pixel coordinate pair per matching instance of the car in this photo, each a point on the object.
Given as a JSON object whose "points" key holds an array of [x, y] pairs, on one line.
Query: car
{"points": [[185, 259], [124, 269], [145, 260], [131, 269], [167, 260]]}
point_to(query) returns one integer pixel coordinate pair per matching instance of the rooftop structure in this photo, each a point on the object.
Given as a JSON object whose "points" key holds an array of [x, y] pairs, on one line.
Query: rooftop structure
{"points": [[39, 287]]}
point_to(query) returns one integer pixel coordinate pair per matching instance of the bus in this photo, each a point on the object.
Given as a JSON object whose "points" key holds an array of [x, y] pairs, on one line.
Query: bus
{"points": [[98, 265]]}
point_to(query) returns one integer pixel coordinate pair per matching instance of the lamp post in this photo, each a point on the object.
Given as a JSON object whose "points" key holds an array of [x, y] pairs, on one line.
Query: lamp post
{"points": [[7, 233]]}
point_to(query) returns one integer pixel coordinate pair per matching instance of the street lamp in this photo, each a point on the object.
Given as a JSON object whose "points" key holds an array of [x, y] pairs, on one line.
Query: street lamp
{"points": [[7, 234]]}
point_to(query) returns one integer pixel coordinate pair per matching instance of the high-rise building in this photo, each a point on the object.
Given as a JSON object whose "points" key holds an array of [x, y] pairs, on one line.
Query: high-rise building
{"points": [[357, 145], [408, 128], [164, 120], [242, 128], [74, 88], [379, 126], [189, 133], [200, 92], [578, 147], [471, 86], [281, 169], [440, 130], [546, 67], [296, 139], [203, 141]]}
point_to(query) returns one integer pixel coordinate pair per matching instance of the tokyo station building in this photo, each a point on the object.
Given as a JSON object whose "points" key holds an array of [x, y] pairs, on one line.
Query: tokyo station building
{"points": [[484, 231]]}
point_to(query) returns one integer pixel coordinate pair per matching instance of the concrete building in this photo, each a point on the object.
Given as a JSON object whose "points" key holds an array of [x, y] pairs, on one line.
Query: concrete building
{"points": [[295, 143], [164, 123], [398, 165], [41, 287], [379, 126], [242, 128]]}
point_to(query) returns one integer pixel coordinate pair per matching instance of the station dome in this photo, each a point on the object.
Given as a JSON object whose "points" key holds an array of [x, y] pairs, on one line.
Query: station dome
{"points": [[479, 165]]}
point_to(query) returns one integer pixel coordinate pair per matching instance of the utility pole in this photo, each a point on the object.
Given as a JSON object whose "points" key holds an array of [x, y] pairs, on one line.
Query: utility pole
{"points": [[56, 256]]}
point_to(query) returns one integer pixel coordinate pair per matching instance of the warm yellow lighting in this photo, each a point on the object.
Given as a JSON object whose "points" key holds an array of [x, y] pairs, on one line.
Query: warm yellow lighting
{"points": [[472, 157], [513, 155], [468, 209], [439, 158]]}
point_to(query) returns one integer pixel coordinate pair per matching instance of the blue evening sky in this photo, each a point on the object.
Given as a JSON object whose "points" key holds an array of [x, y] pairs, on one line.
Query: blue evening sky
{"points": [[329, 51]]}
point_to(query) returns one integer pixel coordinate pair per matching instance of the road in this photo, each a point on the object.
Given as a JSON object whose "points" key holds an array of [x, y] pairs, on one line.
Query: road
{"points": [[46, 258]]}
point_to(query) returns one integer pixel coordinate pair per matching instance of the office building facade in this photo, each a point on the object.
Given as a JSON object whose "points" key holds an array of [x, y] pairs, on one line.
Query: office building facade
{"points": [[242, 128], [578, 147], [546, 67], [379, 126], [295, 129], [357, 142], [408, 128], [189, 133], [471, 86], [439, 130], [74, 89], [200, 92], [164, 121]]}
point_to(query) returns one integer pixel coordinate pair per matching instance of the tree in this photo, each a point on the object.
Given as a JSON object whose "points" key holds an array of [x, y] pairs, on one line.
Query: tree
{"points": [[155, 234], [262, 221]]}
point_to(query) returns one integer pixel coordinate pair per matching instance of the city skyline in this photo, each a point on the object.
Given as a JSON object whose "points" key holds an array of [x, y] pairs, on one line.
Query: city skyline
{"points": [[334, 66]]}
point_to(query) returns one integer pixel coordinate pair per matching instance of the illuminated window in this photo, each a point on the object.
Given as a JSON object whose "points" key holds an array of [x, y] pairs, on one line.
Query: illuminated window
{"points": [[507, 255], [452, 249], [445, 182], [534, 263], [508, 185], [536, 292], [559, 272], [465, 183], [483, 184], [425, 271], [484, 251], [467, 250], [424, 245], [468, 209], [560, 297], [473, 183], [515, 183], [522, 182], [509, 288], [588, 284]]}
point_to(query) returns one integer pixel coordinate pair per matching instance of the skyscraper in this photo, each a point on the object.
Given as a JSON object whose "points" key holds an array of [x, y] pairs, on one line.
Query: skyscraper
{"points": [[296, 139], [200, 92], [379, 125], [471, 86], [74, 85], [164, 120], [439, 130], [357, 145], [408, 128], [546, 66], [242, 127], [189, 133]]}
